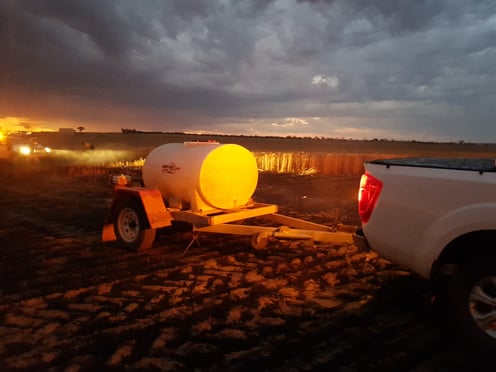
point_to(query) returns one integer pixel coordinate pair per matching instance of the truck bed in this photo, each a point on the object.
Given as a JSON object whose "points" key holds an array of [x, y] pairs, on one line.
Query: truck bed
{"points": [[478, 165]]}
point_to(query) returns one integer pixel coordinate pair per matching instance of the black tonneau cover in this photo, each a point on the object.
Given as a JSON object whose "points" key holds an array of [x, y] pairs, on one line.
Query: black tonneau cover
{"points": [[479, 165]]}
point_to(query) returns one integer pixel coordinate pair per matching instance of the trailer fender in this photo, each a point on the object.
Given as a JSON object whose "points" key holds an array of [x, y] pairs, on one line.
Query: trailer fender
{"points": [[153, 206]]}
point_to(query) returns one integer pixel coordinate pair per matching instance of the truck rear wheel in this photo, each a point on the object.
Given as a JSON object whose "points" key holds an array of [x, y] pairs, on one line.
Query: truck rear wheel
{"points": [[469, 303], [129, 226]]}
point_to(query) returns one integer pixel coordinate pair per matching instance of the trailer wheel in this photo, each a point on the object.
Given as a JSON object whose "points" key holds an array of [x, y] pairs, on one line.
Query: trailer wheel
{"points": [[468, 300], [259, 241], [129, 226]]}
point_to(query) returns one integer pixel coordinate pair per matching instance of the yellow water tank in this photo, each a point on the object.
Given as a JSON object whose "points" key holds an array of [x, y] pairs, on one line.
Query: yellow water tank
{"points": [[202, 176]]}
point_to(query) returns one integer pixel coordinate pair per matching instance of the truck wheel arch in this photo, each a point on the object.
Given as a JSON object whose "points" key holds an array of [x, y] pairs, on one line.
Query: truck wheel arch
{"points": [[460, 250], [468, 245], [457, 235]]}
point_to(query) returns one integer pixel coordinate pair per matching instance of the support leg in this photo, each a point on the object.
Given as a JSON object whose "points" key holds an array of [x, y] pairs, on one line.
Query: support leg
{"points": [[196, 238]]}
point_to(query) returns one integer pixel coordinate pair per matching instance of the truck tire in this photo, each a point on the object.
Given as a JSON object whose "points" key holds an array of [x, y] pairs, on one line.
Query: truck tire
{"points": [[129, 226], [468, 301]]}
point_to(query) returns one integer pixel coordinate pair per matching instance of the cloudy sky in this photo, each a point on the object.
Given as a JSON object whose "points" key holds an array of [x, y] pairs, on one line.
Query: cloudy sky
{"points": [[404, 69]]}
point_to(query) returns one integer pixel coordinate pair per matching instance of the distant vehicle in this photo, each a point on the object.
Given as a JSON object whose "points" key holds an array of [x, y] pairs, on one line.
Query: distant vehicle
{"points": [[21, 145], [437, 217]]}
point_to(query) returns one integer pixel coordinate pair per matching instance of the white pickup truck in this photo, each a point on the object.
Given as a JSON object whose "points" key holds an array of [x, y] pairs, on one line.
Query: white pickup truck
{"points": [[437, 217], [19, 146]]}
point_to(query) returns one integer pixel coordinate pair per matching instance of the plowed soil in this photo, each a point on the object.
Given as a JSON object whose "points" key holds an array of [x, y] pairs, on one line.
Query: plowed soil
{"points": [[69, 302]]}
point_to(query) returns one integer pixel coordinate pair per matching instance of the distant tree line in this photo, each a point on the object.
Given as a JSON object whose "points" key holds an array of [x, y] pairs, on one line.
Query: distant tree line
{"points": [[315, 138], [132, 130]]}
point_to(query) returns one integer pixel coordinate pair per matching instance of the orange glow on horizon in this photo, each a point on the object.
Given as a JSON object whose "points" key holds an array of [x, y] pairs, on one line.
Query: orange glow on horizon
{"points": [[17, 124]]}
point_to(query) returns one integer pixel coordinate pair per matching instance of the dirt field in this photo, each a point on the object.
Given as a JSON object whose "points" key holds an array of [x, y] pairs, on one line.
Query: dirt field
{"points": [[72, 303]]}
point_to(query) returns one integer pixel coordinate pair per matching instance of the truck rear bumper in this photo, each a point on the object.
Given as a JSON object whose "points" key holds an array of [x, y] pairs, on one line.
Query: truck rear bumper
{"points": [[360, 240]]}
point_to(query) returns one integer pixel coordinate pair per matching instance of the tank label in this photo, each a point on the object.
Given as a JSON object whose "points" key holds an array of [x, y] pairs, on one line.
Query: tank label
{"points": [[170, 168]]}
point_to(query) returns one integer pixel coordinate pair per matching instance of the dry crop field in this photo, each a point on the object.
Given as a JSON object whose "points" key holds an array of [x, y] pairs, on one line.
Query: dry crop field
{"points": [[72, 303]]}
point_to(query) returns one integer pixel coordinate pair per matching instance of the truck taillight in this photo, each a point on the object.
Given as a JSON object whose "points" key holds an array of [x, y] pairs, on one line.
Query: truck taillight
{"points": [[370, 188]]}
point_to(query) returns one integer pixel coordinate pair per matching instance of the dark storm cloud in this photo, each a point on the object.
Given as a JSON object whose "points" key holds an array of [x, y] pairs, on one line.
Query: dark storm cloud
{"points": [[387, 66], [80, 49], [83, 47], [100, 21]]}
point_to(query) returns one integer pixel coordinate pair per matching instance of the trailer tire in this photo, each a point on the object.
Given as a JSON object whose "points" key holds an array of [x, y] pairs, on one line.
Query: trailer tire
{"points": [[468, 303], [130, 225]]}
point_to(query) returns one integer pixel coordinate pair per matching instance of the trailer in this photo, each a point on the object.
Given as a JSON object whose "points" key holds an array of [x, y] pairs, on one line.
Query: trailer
{"points": [[209, 186]]}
